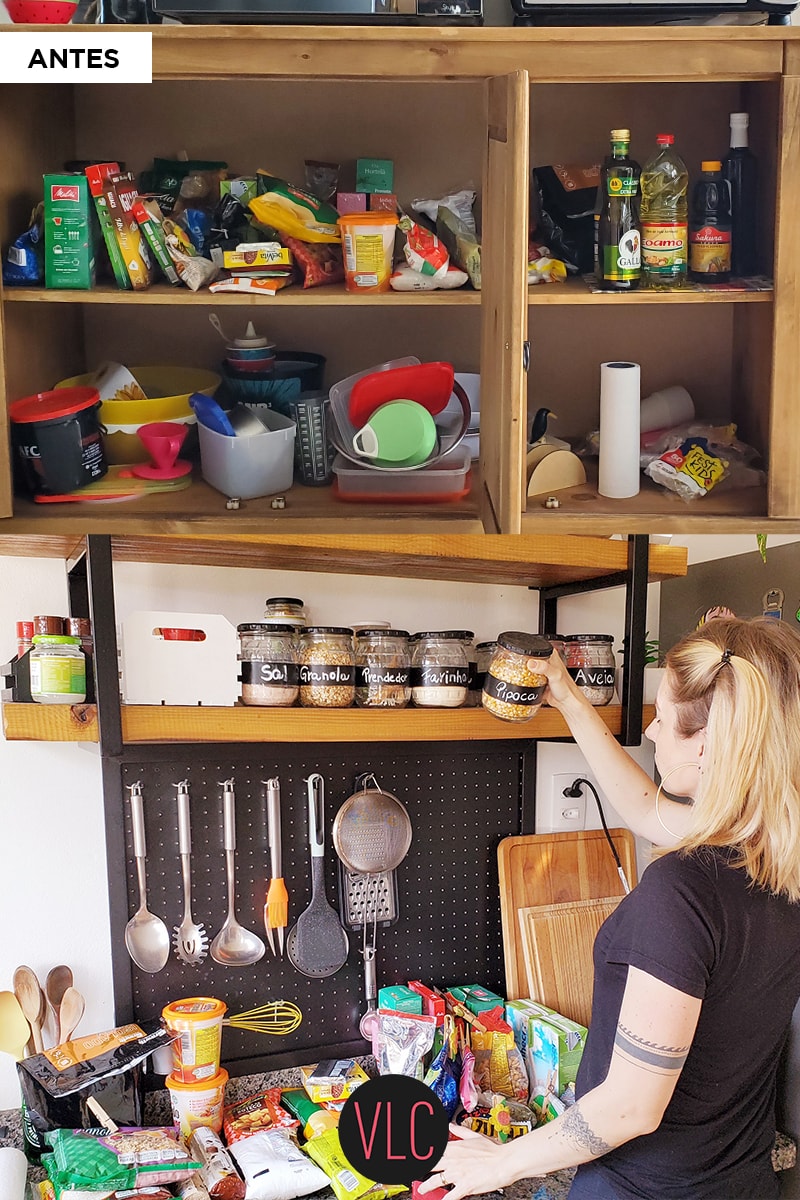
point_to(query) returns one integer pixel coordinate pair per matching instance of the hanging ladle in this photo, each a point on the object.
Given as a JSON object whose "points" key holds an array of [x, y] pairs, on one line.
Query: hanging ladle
{"points": [[146, 935], [233, 946]]}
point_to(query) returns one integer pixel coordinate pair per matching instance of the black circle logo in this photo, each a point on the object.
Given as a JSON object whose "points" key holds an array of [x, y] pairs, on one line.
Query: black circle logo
{"points": [[393, 1129]]}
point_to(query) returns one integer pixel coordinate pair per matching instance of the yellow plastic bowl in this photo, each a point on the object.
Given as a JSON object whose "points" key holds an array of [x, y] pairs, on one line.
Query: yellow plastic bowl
{"points": [[168, 389]]}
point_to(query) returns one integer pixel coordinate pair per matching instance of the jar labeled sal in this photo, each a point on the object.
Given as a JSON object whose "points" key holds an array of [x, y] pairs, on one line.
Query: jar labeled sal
{"points": [[270, 674], [383, 668], [590, 662], [511, 690], [440, 668], [327, 667], [57, 670]]}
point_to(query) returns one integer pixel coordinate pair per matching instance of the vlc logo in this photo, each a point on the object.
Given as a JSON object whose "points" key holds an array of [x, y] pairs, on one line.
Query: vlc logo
{"points": [[393, 1129]]}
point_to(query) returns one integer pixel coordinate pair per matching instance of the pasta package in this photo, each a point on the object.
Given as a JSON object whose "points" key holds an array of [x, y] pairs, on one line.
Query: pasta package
{"points": [[292, 211]]}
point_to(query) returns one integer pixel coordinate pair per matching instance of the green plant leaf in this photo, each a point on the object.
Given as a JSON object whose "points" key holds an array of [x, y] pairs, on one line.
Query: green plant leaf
{"points": [[761, 539]]}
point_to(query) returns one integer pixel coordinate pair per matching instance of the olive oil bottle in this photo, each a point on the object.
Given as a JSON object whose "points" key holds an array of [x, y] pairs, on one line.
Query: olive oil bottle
{"points": [[619, 238]]}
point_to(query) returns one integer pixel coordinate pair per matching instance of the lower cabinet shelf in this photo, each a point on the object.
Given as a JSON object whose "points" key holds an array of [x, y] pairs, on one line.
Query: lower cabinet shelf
{"points": [[149, 724]]}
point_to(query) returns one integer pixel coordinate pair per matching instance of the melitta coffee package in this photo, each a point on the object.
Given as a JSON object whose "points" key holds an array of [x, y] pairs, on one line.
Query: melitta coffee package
{"points": [[108, 1067], [71, 232]]}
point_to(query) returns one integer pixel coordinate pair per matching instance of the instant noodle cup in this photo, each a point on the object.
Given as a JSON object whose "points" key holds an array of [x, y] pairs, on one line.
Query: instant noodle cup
{"points": [[195, 1104], [198, 1024], [368, 250]]}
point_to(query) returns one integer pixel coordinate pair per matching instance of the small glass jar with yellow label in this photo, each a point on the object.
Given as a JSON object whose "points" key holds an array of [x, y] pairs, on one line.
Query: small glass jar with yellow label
{"points": [[57, 670]]}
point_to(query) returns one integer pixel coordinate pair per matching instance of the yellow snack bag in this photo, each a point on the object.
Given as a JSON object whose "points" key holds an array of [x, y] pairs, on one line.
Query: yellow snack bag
{"points": [[294, 212]]}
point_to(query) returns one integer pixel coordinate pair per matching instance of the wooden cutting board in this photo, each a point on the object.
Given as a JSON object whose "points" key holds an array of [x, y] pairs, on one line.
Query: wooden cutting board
{"points": [[557, 941], [555, 868]]}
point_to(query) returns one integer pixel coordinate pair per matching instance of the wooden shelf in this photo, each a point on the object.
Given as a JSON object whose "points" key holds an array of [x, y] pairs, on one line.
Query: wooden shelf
{"points": [[577, 291], [524, 561], [143, 724], [320, 297]]}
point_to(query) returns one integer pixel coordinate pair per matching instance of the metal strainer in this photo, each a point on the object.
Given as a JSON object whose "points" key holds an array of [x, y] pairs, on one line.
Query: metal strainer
{"points": [[372, 830]]}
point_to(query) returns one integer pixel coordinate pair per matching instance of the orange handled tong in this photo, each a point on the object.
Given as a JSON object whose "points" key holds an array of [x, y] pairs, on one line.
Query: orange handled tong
{"points": [[276, 909]]}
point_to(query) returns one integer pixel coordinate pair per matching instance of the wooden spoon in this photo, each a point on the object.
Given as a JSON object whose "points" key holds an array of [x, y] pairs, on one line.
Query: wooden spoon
{"points": [[57, 982], [14, 1029], [72, 1006], [29, 995]]}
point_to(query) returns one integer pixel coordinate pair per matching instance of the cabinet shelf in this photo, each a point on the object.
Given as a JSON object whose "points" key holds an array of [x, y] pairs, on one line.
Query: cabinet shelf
{"points": [[333, 296], [147, 725], [577, 291]]}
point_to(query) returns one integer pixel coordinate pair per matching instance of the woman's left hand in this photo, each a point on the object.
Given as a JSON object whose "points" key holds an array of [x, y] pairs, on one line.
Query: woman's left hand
{"points": [[470, 1166]]}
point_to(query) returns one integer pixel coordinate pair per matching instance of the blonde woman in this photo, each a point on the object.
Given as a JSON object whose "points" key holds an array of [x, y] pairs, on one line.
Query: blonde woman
{"points": [[697, 971]]}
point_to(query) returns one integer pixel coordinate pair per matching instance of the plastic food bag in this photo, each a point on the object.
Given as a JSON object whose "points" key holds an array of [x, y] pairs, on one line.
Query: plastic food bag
{"points": [[256, 1114], [423, 250], [23, 265], [275, 1168], [135, 1157], [405, 279], [690, 460], [320, 263], [459, 203], [347, 1183], [542, 267], [562, 211], [499, 1066], [403, 1040], [461, 242], [292, 211], [193, 270]]}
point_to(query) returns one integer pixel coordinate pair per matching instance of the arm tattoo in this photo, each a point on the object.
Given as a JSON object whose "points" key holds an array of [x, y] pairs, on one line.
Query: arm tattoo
{"points": [[574, 1126], [649, 1054]]}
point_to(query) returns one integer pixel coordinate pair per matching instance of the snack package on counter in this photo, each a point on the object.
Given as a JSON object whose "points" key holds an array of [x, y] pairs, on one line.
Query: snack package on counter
{"points": [[459, 203], [403, 1041], [320, 262], [106, 1066], [251, 283], [256, 257], [499, 1066], [23, 264], [442, 1075], [129, 1158], [193, 270], [462, 244], [294, 212], [149, 218], [332, 1079], [347, 1183], [322, 179], [275, 1168], [467, 1089], [500, 1119], [562, 211], [217, 1172], [166, 177], [256, 1114], [542, 267], [192, 1188]]}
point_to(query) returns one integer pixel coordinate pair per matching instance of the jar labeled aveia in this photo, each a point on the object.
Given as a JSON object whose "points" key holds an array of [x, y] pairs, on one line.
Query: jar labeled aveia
{"points": [[590, 662], [383, 668], [440, 668], [511, 690], [327, 667], [57, 670], [270, 674]]}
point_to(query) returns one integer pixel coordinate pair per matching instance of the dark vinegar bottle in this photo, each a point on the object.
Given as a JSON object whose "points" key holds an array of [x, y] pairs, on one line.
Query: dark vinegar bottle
{"points": [[710, 227], [740, 168], [619, 237]]}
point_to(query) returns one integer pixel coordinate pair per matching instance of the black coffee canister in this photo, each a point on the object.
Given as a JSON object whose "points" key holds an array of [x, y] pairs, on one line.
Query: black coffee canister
{"points": [[58, 440]]}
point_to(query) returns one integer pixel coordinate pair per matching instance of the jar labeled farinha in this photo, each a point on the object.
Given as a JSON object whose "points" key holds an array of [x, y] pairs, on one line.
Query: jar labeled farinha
{"points": [[511, 690]]}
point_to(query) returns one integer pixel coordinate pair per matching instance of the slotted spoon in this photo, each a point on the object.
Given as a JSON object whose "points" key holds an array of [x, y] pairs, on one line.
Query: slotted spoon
{"points": [[189, 939]]}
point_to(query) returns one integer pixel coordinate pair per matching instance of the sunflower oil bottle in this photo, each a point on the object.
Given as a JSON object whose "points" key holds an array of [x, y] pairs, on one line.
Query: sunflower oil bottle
{"points": [[664, 217]]}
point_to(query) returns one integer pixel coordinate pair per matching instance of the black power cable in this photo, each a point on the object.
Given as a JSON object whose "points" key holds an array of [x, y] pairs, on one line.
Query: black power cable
{"points": [[573, 792]]}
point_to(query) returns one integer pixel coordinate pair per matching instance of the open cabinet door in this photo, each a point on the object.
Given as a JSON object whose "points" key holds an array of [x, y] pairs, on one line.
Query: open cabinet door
{"points": [[504, 304]]}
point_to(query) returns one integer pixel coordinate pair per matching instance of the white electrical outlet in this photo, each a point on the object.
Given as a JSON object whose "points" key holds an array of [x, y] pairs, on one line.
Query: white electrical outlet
{"points": [[555, 812]]}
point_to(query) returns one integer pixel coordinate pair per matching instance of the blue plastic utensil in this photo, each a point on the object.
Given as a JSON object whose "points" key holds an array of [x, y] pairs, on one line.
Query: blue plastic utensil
{"points": [[211, 414]]}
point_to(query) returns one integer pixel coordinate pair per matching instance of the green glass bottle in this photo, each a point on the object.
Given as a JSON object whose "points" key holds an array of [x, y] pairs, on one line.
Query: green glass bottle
{"points": [[619, 237]]}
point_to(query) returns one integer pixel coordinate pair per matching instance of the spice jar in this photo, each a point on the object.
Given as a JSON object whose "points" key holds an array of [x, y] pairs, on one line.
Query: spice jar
{"points": [[511, 690], [383, 668], [24, 637], [590, 662], [81, 627], [57, 670], [327, 667], [49, 626], [285, 610], [270, 675], [440, 668]]}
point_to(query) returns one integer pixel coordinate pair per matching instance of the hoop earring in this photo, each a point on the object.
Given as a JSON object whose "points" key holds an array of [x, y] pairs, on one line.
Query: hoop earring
{"points": [[679, 767]]}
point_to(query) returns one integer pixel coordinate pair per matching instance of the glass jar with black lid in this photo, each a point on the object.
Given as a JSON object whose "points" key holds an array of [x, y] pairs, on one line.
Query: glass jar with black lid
{"points": [[383, 668], [327, 667], [440, 668], [270, 675], [590, 662]]}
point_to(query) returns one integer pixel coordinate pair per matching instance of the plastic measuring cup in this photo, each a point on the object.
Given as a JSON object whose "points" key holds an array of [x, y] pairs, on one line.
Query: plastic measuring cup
{"points": [[313, 452]]}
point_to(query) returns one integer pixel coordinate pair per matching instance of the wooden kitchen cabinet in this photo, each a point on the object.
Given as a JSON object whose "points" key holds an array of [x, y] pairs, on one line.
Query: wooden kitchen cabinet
{"points": [[452, 107]]}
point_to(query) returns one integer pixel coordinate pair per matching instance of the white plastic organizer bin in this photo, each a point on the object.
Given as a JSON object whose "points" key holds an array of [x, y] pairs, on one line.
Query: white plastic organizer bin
{"points": [[248, 467]]}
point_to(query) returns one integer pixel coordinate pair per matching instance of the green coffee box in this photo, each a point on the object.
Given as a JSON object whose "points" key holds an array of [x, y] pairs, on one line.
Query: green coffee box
{"points": [[400, 999], [477, 999], [71, 232]]}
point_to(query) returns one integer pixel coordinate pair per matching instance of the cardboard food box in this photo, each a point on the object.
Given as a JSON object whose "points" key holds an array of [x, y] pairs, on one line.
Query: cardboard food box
{"points": [[71, 232], [333, 1079], [374, 175], [121, 194], [551, 1044], [97, 175], [256, 256], [476, 998]]}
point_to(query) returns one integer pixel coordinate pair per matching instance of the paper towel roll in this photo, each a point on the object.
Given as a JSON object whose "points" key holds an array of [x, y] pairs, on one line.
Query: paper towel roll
{"points": [[667, 407], [620, 396], [13, 1173]]}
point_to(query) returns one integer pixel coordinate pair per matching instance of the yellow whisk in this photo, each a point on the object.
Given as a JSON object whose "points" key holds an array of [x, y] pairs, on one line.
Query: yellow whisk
{"points": [[279, 1017]]}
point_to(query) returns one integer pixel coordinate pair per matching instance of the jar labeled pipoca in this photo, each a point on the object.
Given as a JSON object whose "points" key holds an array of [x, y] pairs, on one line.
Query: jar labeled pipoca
{"points": [[270, 674], [511, 690], [383, 668], [327, 667], [590, 662], [440, 668]]}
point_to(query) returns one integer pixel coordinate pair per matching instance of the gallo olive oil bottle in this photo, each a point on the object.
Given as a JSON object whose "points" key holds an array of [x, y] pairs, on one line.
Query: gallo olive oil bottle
{"points": [[619, 238]]}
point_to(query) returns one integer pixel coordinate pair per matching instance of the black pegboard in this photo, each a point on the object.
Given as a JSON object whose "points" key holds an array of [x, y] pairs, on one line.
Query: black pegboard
{"points": [[461, 800]]}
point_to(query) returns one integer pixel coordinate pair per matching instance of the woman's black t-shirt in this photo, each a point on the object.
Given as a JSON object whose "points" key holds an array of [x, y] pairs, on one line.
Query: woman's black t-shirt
{"points": [[697, 923]]}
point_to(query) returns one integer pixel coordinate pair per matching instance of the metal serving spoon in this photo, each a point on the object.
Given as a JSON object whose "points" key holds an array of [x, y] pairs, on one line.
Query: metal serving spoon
{"points": [[233, 946], [146, 935]]}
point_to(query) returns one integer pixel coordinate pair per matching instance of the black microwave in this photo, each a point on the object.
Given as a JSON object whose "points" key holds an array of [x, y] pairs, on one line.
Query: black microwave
{"points": [[319, 12]]}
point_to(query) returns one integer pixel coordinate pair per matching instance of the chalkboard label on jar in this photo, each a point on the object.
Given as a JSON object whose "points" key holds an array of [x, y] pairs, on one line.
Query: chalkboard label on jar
{"points": [[439, 677], [280, 674], [594, 677], [512, 693], [367, 676], [325, 674]]}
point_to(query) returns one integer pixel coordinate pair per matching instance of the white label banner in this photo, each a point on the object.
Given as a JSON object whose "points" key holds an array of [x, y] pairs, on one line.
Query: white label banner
{"points": [[76, 57]]}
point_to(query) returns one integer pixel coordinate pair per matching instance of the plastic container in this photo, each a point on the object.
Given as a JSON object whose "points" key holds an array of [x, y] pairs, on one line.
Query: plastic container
{"points": [[57, 670], [368, 250], [327, 667], [664, 215], [313, 452], [440, 668], [195, 1052], [590, 662], [269, 673], [383, 668], [58, 439], [294, 372], [448, 479], [248, 467], [195, 1104], [710, 228], [511, 691]]}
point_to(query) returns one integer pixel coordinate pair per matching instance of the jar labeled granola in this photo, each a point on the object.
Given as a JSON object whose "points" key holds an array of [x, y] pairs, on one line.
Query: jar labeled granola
{"points": [[440, 668], [511, 690], [327, 667], [383, 668], [270, 675], [590, 662]]}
